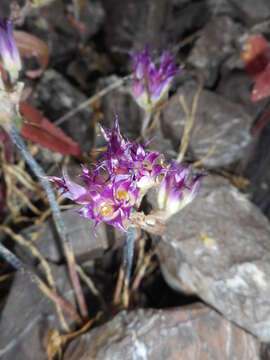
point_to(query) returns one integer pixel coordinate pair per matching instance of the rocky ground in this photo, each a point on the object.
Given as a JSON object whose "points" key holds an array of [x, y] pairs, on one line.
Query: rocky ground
{"points": [[206, 291]]}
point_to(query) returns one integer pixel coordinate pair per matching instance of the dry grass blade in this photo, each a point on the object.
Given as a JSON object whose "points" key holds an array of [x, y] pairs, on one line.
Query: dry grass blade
{"points": [[190, 119], [26, 201], [93, 99], [118, 288], [239, 181], [154, 122], [56, 342], [90, 284], [20, 240], [126, 293], [144, 264], [141, 253], [6, 277], [210, 152], [75, 279], [22, 176], [47, 213], [141, 272], [59, 300]]}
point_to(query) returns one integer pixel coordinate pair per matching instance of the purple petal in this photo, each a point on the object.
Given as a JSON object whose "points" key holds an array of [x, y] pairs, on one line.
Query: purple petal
{"points": [[8, 49]]}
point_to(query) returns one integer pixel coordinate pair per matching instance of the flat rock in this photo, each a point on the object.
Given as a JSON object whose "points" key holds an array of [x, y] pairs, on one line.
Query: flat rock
{"points": [[80, 232], [27, 315], [218, 122], [194, 332], [218, 248]]}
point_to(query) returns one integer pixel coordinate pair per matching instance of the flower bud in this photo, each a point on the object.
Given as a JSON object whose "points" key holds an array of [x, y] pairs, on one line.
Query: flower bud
{"points": [[177, 189], [151, 83], [8, 50]]}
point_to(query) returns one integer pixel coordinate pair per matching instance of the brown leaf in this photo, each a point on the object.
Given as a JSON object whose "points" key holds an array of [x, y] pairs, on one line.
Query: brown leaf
{"points": [[41, 130], [31, 46]]}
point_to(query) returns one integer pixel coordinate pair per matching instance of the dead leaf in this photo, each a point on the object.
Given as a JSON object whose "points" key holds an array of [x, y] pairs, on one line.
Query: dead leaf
{"points": [[41, 130], [31, 46]]}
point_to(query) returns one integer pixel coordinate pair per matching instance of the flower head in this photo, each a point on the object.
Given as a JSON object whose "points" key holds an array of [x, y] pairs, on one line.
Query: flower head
{"points": [[8, 50], [178, 189], [151, 83], [117, 183]]}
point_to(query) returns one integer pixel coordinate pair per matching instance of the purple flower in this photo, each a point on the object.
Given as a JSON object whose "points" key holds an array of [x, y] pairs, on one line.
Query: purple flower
{"points": [[147, 165], [103, 208], [117, 158], [117, 183], [178, 189], [151, 83], [126, 160], [70, 189], [8, 50]]}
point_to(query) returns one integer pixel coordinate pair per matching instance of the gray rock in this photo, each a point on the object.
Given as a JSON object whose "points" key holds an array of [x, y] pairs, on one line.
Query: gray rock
{"points": [[193, 332], [218, 248], [80, 232], [54, 26], [120, 102], [55, 96], [236, 87], [215, 44], [134, 23], [27, 315], [159, 142], [250, 13], [257, 170], [217, 122], [221, 7], [92, 15], [55, 29], [186, 17]]}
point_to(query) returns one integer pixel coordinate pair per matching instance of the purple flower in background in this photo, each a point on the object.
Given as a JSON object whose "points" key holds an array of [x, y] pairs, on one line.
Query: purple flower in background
{"points": [[151, 83], [8, 50], [178, 188]]}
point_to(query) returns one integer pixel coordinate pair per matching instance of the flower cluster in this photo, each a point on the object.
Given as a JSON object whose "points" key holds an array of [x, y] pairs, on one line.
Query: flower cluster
{"points": [[151, 83], [8, 50], [119, 180], [177, 189]]}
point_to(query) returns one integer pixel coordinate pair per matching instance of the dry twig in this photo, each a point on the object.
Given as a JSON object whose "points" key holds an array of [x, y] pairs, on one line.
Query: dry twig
{"points": [[190, 118]]}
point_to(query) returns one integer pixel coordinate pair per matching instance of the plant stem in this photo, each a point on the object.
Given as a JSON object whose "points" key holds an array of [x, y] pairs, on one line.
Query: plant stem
{"points": [[128, 252], [67, 245], [145, 124]]}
